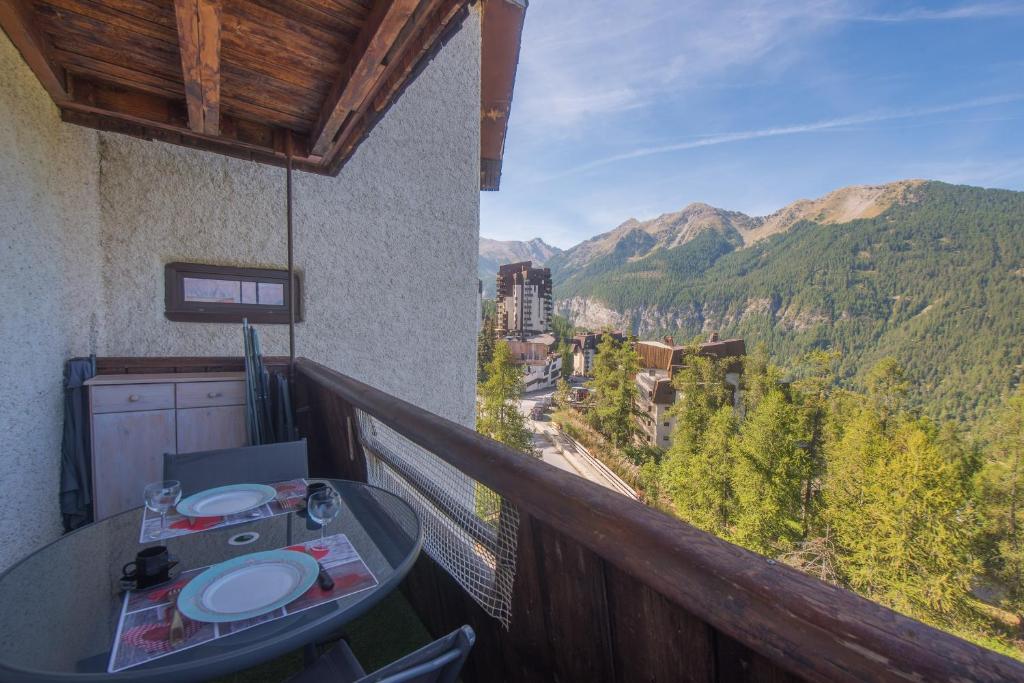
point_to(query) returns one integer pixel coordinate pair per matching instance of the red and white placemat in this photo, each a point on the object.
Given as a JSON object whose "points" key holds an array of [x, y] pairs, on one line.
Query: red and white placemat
{"points": [[291, 496], [143, 630]]}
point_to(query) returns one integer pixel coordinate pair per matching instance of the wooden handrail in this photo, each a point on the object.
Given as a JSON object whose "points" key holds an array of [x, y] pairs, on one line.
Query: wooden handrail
{"points": [[807, 627]]}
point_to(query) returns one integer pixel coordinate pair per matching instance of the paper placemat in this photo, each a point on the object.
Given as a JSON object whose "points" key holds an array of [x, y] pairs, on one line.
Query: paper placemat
{"points": [[144, 625], [291, 496]]}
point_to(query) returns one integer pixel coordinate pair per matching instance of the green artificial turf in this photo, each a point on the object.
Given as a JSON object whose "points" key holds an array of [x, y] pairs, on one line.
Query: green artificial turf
{"points": [[386, 633]]}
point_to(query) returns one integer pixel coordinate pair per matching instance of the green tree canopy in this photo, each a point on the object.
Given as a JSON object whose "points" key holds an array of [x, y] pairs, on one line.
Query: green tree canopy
{"points": [[614, 384], [1000, 496], [498, 413]]}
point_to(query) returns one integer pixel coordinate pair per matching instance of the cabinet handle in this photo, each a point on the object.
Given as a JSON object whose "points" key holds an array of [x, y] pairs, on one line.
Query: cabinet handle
{"points": [[213, 394], [133, 398]]}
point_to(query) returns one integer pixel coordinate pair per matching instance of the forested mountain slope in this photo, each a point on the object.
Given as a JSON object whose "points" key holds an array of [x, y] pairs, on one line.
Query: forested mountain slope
{"points": [[933, 274]]}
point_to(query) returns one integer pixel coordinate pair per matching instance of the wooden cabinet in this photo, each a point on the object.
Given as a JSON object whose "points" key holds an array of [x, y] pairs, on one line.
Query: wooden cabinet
{"points": [[135, 419], [205, 429]]}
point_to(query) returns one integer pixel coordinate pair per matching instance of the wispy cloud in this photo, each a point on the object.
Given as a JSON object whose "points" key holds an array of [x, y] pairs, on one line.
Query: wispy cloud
{"points": [[987, 10], [811, 127], [583, 59]]}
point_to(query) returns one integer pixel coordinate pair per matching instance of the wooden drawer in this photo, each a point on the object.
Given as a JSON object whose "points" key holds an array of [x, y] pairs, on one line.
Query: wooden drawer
{"points": [[121, 398], [206, 394]]}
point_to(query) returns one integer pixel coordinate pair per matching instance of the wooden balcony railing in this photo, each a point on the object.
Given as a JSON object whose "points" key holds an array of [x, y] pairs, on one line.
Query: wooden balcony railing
{"points": [[608, 589]]}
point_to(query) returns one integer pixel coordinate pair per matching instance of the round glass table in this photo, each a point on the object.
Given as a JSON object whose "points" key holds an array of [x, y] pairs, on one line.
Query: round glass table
{"points": [[61, 605]]}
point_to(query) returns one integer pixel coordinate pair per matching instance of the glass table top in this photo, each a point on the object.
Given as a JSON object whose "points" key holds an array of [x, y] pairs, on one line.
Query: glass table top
{"points": [[61, 604]]}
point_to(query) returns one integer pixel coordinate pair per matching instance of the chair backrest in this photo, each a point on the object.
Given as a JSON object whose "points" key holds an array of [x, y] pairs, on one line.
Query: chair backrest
{"points": [[439, 662], [247, 465]]}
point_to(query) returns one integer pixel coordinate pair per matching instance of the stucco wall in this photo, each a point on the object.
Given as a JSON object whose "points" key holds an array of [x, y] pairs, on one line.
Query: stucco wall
{"points": [[387, 249], [49, 276]]}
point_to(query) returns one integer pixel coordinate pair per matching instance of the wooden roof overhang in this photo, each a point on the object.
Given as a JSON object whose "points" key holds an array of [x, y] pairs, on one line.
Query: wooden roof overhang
{"points": [[255, 79], [502, 30]]}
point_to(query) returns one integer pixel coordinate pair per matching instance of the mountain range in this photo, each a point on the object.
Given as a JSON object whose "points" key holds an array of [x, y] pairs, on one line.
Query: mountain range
{"points": [[494, 253], [929, 273]]}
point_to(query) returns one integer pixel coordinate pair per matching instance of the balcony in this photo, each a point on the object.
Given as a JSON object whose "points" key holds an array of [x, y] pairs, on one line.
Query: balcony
{"points": [[609, 589], [561, 579]]}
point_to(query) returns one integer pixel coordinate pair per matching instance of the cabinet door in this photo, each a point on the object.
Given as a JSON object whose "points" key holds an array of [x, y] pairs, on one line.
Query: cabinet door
{"points": [[207, 429], [128, 453]]}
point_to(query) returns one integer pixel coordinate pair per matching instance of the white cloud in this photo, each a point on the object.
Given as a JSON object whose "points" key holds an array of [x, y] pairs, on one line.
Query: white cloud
{"points": [[988, 10], [587, 58], [812, 127]]}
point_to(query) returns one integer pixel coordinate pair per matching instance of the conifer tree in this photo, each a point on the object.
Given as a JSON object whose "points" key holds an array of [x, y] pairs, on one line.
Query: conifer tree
{"points": [[696, 471], [615, 367], [498, 414], [1000, 495], [566, 352], [484, 349], [562, 392], [769, 474], [900, 517]]}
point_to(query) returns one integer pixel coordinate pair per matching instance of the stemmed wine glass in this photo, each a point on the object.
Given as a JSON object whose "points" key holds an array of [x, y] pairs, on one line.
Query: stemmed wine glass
{"points": [[323, 506], [161, 496]]}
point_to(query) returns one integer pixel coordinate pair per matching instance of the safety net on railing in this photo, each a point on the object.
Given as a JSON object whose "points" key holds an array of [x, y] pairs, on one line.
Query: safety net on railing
{"points": [[467, 528]]}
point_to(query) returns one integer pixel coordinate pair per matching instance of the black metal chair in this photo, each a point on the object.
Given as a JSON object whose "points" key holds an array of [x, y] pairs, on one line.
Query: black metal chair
{"points": [[249, 465], [439, 662]]}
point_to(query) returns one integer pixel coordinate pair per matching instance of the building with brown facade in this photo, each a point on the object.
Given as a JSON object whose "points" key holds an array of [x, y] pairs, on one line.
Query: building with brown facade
{"points": [[523, 300]]}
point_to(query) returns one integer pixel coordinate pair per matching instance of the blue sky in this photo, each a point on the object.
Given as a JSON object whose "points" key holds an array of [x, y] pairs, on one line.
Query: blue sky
{"points": [[635, 108]]}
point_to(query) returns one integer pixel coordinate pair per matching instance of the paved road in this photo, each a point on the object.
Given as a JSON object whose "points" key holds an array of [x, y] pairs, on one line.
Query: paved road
{"points": [[568, 458]]}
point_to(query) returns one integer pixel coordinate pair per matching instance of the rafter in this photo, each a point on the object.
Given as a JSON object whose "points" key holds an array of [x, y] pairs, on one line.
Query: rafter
{"points": [[363, 68], [16, 17], [199, 24]]}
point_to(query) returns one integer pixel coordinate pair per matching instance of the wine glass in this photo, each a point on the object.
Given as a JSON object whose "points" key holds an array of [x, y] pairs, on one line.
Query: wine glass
{"points": [[161, 496], [323, 506]]}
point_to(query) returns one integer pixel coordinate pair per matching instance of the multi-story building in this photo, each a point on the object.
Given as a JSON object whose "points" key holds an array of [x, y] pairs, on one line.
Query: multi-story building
{"points": [[542, 365], [584, 349], [656, 392], [523, 299], [655, 396]]}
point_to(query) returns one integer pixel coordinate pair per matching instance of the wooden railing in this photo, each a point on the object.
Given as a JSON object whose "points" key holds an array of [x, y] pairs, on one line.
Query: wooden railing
{"points": [[608, 589]]}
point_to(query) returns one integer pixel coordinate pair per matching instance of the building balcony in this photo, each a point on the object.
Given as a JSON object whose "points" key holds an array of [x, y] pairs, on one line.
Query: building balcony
{"points": [[561, 579]]}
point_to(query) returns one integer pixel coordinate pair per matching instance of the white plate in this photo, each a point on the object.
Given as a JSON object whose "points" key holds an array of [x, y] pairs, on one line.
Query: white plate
{"points": [[226, 500], [248, 586]]}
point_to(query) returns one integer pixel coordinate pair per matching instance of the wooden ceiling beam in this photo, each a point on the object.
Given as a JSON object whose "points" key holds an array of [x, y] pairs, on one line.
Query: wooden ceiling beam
{"points": [[17, 19], [165, 116], [434, 18], [363, 68], [199, 23]]}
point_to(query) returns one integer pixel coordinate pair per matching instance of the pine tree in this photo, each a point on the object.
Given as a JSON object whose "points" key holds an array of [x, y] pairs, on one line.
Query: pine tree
{"points": [[900, 517], [498, 416], [769, 476], [484, 349], [812, 394], [697, 476], [614, 384], [562, 393], [696, 471], [1000, 495], [566, 352]]}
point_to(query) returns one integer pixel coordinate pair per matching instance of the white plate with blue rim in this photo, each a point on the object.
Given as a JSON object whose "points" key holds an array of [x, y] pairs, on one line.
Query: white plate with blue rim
{"points": [[248, 586], [226, 500]]}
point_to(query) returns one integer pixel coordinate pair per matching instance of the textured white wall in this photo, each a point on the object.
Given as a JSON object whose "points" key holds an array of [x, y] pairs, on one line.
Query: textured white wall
{"points": [[49, 276], [387, 250]]}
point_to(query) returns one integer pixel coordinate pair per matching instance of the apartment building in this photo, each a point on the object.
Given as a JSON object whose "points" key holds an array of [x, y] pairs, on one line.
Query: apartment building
{"points": [[540, 360], [523, 300], [655, 396], [656, 392], [584, 349]]}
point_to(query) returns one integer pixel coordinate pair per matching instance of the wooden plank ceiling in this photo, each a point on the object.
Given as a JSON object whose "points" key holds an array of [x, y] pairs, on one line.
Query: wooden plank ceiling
{"points": [[254, 79]]}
